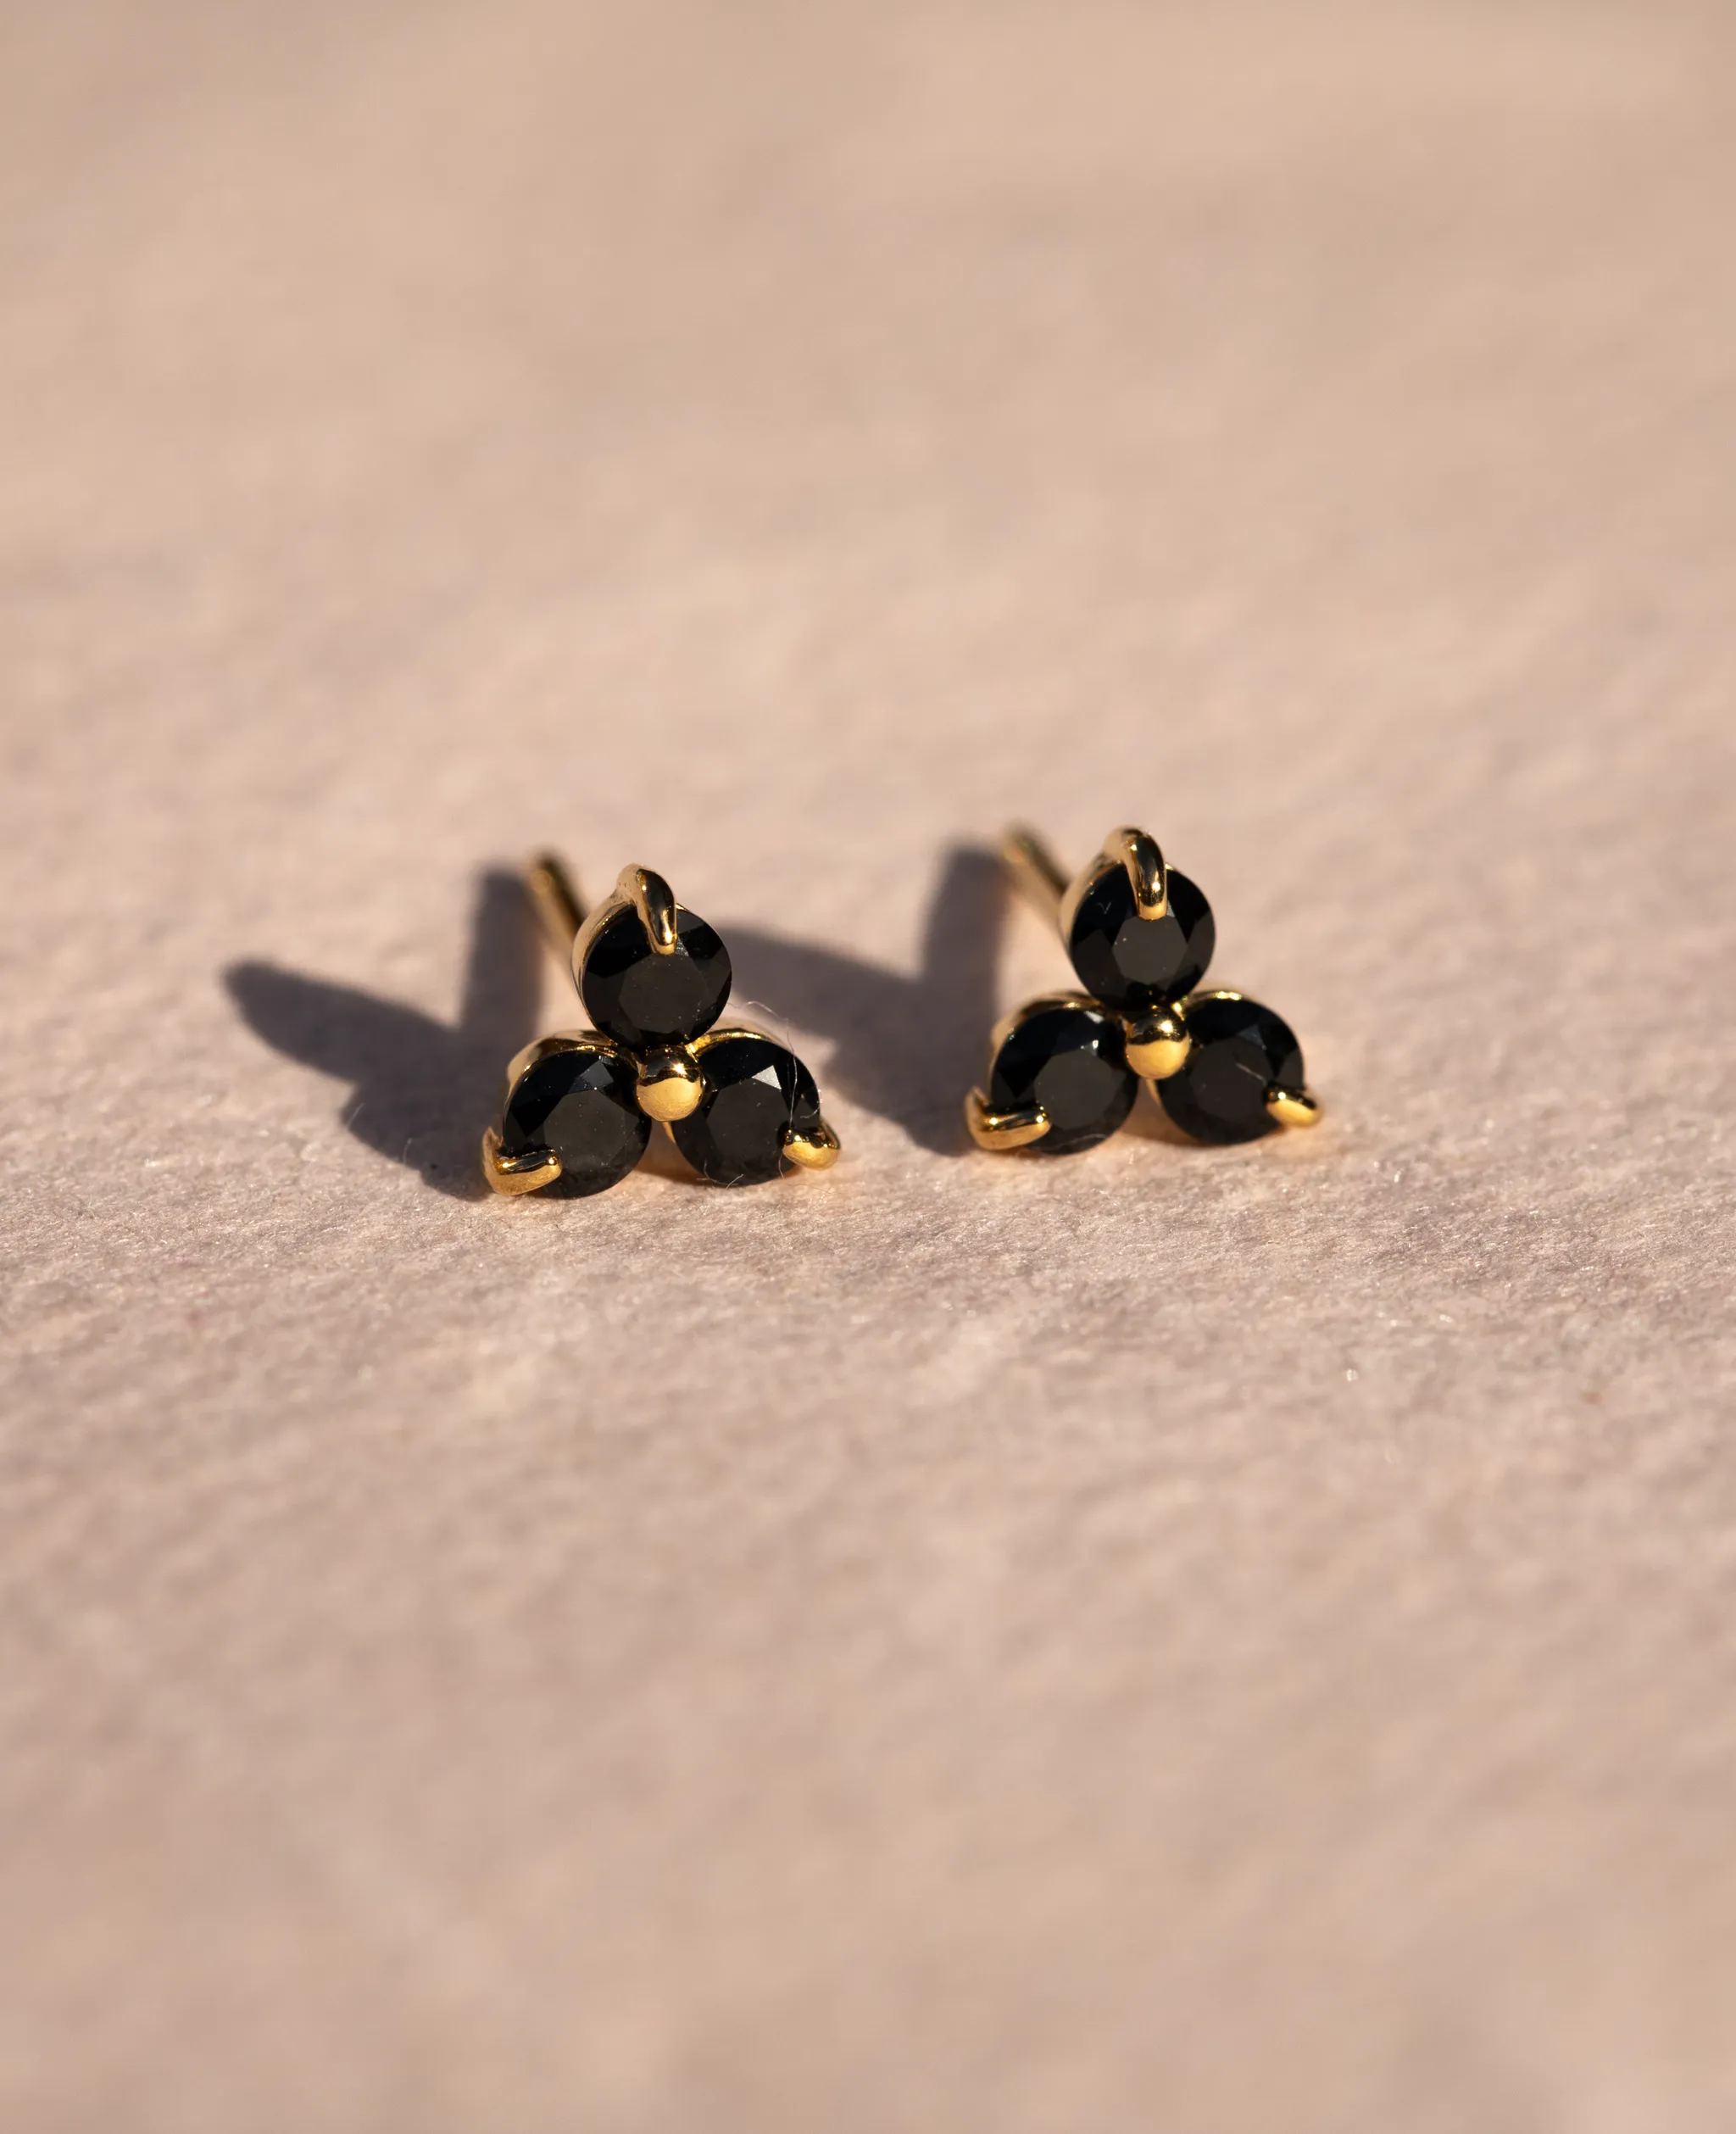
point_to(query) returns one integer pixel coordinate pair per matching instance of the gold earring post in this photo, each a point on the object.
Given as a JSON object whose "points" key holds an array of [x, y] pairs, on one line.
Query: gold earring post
{"points": [[1035, 870], [555, 897]]}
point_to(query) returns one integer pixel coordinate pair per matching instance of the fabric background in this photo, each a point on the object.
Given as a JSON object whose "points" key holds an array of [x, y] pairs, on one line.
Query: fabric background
{"points": [[1180, 1638]]}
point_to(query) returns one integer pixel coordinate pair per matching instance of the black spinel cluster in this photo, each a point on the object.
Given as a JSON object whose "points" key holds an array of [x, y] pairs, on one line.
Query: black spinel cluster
{"points": [[1067, 1056], [578, 1095]]}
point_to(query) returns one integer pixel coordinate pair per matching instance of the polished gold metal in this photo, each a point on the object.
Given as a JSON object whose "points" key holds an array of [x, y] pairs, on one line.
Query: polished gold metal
{"points": [[670, 1085], [554, 895], [1035, 870], [652, 898], [1057, 895], [1135, 853], [1046, 885], [1147, 875], [517, 1173], [1001, 1132], [703, 1044], [1158, 1044], [637, 889], [1293, 1107], [817, 1150]]}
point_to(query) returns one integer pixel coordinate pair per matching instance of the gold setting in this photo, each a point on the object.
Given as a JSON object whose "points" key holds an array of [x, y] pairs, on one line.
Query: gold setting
{"points": [[1288, 1107], [652, 898], [517, 1173], [1293, 1107], [670, 1081], [1158, 1042], [592, 925], [526, 1173], [523, 1060], [1001, 1132], [670, 1085], [637, 889], [1147, 875], [817, 1150], [1014, 1017]]}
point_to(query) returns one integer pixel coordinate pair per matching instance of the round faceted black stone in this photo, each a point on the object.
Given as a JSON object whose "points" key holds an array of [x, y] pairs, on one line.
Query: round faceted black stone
{"points": [[755, 1091], [1240, 1052], [1072, 1061], [1130, 963], [641, 999], [579, 1102]]}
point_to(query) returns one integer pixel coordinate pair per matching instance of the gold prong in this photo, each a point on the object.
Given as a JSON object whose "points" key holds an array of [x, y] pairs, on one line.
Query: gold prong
{"points": [[1293, 1107], [1001, 1131], [816, 1149], [652, 898], [1034, 869], [670, 1085], [1147, 875], [517, 1173], [1158, 1044]]}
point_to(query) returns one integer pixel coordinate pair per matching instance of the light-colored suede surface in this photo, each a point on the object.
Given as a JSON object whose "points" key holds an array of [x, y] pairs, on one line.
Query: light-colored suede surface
{"points": [[1237, 1641]]}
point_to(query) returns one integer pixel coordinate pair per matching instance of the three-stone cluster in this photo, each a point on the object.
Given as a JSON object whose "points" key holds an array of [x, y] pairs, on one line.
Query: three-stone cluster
{"points": [[1064, 1069], [579, 1105]]}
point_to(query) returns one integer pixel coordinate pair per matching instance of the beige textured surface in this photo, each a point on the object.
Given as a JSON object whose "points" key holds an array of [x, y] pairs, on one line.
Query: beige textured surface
{"points": [[1230, 1642]]}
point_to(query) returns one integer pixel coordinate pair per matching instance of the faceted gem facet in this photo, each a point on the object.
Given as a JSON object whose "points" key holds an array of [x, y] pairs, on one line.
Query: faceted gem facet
{"points": [[755, 1090], [1071, 1061], [641, 999], [1240, 1052], [1131, 963], [577, 1100]]}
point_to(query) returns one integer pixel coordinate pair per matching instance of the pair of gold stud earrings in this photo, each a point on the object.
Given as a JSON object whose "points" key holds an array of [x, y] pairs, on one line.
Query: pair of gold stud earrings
{"points": [[1063, 1070]]}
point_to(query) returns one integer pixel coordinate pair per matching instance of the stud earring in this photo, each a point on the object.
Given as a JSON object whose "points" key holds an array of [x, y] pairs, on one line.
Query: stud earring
{"points": [[653, 978], [1064, 1070]]}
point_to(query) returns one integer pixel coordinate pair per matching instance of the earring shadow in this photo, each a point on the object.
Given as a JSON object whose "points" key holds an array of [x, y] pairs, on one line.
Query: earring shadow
{"points": [[905, 1048], [422, 1090]]}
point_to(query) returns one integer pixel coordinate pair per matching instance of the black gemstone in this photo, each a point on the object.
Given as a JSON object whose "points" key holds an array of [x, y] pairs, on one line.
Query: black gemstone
{"points": [[1072, 1061], [1240, 1052], [1128, 962], [755, 1091], [641, 999], [579, 1102]]}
